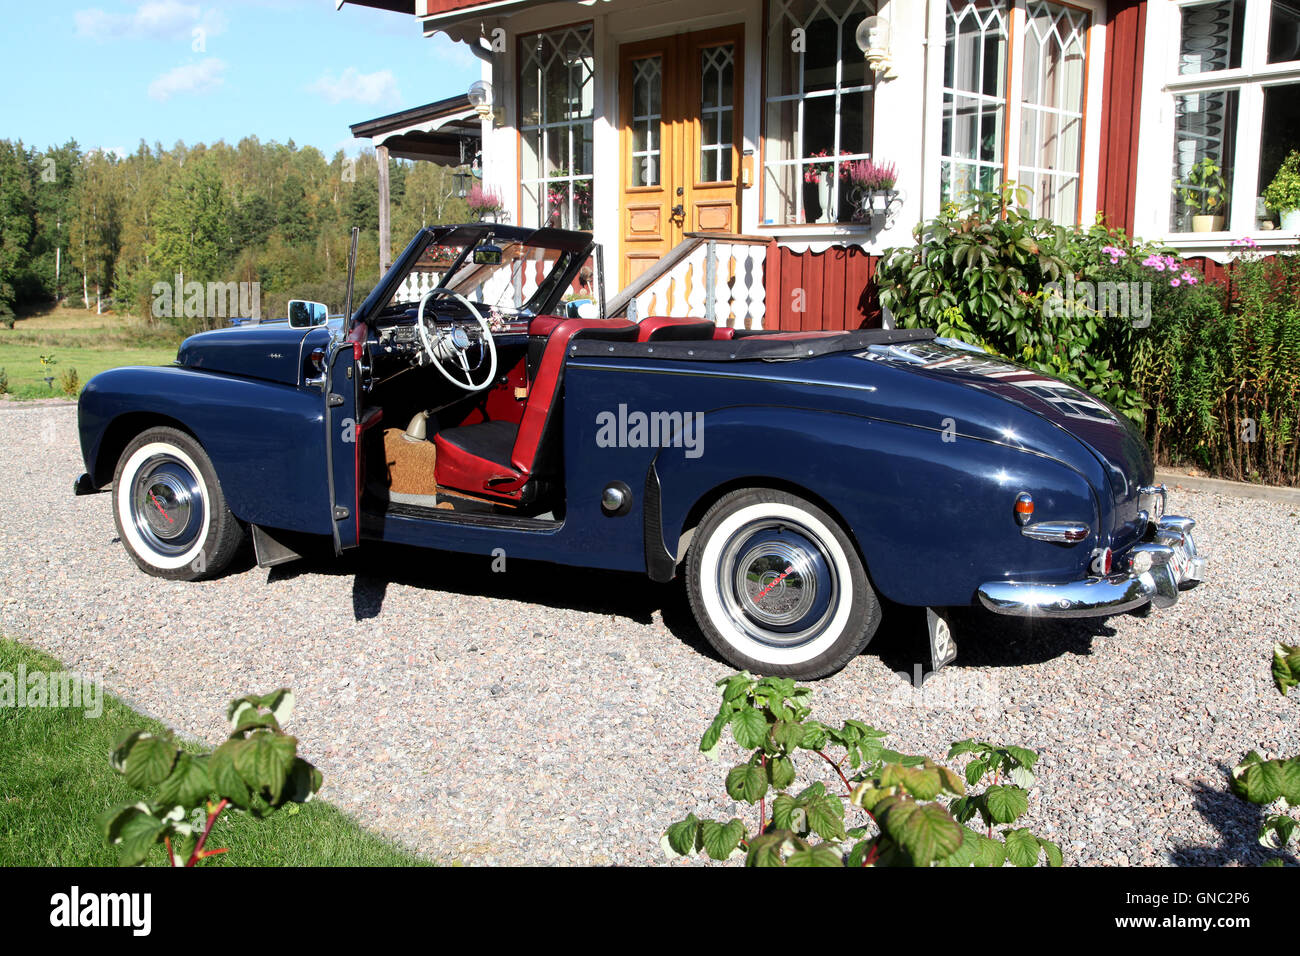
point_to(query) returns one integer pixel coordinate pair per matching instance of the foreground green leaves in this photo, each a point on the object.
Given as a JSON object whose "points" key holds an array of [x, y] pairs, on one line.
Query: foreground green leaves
{"points": [[256, 771], [914, 810], [1266, 782]]}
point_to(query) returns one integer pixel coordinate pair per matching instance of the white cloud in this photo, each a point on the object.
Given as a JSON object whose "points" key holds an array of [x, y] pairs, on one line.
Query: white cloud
{"points": [[153, 20], [201, 77], [358, 87]]}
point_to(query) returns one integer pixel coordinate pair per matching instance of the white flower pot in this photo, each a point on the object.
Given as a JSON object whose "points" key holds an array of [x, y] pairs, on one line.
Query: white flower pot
{"points": [[1207, 224], [1291, 220], [824, 196]]}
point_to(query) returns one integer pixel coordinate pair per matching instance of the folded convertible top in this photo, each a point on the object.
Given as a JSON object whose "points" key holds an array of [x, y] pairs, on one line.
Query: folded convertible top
{"points": [[768, 346]]}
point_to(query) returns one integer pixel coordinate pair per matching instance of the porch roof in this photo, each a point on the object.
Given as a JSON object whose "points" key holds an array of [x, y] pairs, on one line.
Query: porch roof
{"points": [[443, 12], [432, 132]]}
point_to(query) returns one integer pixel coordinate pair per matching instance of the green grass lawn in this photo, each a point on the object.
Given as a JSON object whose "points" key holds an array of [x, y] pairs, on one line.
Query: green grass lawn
{"points": [[79, 340], [55, 780]]}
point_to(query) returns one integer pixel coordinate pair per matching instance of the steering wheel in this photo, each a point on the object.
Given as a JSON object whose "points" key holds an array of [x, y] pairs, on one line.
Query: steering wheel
{"points": [[445, 346]]}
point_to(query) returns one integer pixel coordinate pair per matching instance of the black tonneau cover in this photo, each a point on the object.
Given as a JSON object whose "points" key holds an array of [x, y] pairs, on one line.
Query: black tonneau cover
{"points": [[769, 346]]}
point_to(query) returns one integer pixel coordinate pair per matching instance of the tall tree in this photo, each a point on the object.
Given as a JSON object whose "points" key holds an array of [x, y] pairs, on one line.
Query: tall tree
{"points": [[192, 228], [96, 228], [17, 224]]}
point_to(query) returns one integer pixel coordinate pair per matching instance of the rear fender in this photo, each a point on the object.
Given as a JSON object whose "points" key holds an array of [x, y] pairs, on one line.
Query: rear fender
{"points": [[933, 520]]}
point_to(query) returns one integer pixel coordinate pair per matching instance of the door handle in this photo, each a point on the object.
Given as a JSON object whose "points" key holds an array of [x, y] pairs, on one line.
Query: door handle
{"points": [[679, 212]]}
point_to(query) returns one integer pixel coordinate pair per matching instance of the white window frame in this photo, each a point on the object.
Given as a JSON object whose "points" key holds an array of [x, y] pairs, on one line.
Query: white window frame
{"points": [[547, 128], [798, 97], [1092, 102], [1156, 150]]}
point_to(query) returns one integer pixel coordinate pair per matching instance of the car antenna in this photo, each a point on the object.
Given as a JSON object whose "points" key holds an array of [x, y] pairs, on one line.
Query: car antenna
{"points": [[352, 275]]}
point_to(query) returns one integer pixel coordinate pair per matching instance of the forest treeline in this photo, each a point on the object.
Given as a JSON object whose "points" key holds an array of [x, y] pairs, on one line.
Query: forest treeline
{"points": [[97, 230]]}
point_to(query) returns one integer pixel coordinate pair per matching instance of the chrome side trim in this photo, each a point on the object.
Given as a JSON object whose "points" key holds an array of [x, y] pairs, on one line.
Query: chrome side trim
{"points": [[1061, 532]]}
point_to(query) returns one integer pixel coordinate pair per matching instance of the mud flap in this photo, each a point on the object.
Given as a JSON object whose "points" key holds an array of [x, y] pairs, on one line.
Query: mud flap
{"points": [[943, 649]]}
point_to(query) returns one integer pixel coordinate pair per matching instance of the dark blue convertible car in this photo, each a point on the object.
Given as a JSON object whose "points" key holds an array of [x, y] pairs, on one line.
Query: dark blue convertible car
{"points": [[792, 478]]}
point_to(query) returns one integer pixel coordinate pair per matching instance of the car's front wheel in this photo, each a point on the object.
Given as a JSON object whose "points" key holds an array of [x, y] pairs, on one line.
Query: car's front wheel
{"points": [[777, 586], [169, 509]]}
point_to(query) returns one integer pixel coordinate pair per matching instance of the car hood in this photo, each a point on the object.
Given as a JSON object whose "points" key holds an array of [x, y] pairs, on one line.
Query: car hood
{"points": [[271, 353], [1109, 436]]}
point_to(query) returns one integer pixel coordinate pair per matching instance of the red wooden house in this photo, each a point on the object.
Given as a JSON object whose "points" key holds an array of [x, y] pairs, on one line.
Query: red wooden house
{"points": [[714, 147]]}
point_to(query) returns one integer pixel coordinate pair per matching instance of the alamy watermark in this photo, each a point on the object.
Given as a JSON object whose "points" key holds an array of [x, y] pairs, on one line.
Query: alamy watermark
{"points": [[55, 689], [206, 300], [1083, 299], [662, 429]]}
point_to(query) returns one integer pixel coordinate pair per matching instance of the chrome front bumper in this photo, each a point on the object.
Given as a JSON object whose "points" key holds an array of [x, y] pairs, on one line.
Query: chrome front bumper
{"points": [[1175, 567]]}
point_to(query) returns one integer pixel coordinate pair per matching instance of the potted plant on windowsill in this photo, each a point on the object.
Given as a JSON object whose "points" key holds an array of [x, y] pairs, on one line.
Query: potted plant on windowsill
{"points": [[873, 186], [484, 203], [1283, 193], [817, 187], [557, 200], [1205, 192]]}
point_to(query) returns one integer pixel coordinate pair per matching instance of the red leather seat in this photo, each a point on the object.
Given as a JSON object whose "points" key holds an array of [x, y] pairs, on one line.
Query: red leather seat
{"points": [[500, 459], [666, 328]]}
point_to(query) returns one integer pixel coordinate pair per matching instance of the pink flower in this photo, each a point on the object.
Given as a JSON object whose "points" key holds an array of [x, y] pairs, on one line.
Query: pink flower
{"points": [[1174, 283], [1189, 278]]}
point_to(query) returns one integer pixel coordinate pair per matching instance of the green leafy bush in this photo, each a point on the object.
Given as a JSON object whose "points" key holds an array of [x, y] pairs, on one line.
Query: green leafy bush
{"points": [[989, 273], [256, 771], [69, 382], [1257, 349], [4, 382], [915, 812], [1212, 374], [1265, 782]]}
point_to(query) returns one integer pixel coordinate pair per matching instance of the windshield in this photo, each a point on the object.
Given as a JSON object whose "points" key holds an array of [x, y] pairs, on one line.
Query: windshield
{"points": [[510, 286]]}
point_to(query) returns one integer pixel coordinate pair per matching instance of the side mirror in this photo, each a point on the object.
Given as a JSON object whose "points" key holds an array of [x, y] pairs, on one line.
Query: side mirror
{"points": [[306, 315]]}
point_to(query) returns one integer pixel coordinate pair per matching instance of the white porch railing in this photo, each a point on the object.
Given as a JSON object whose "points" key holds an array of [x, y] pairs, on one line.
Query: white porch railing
{"points": [[716, 276], [504, 287]]}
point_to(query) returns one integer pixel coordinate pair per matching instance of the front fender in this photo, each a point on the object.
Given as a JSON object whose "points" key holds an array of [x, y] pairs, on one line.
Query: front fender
{"points": [[266, 440], [933, 519]]}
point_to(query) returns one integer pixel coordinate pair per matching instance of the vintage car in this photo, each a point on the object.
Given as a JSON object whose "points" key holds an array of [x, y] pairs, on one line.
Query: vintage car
{"points": [[793, 479]]}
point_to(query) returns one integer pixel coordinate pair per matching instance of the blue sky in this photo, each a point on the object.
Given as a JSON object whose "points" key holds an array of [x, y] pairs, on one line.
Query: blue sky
{"points": [[112, 72]]}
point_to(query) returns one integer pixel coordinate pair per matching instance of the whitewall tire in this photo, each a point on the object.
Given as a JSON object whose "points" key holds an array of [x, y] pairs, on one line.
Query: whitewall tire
{"points": [[170, 513], [777, 587]]}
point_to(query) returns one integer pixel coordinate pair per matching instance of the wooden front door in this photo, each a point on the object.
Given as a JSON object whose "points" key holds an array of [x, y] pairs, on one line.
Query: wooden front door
{"points": [[680, 121]]}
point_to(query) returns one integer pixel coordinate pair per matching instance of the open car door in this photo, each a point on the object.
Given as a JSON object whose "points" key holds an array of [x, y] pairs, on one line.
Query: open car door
{"points": [[343, 444]]}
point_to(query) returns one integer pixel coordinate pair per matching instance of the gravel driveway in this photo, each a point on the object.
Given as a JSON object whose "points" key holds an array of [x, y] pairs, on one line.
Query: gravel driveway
{"points": [[550, 715]]}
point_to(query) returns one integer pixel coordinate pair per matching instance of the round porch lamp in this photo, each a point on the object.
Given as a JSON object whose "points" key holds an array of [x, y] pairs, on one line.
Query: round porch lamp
{"points": [[480, 97], [873, 40]]}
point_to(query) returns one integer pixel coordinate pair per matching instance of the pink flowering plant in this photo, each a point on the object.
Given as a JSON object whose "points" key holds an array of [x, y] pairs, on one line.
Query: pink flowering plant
{"points": [[484, 202], [557, 200], [869, 175], [818, 163]]}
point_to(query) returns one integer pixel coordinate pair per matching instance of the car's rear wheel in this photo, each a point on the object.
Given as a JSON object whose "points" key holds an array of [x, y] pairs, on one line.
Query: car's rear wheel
{"points": [[777, 586], [169, 509]]}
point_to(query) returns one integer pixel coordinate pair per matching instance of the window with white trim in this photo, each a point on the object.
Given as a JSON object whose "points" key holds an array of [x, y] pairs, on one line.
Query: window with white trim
{"points": [[556, 107], [818, 110], [1018, 108], [1235, 92]]}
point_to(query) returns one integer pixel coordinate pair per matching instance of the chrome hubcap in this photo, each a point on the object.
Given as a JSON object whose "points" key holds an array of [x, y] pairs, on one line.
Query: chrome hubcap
{"points": [[167, 505], [777, 584]]}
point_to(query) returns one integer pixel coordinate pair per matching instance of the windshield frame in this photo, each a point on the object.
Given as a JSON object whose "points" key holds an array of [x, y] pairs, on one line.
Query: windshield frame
{"points": [[578, 246]]}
